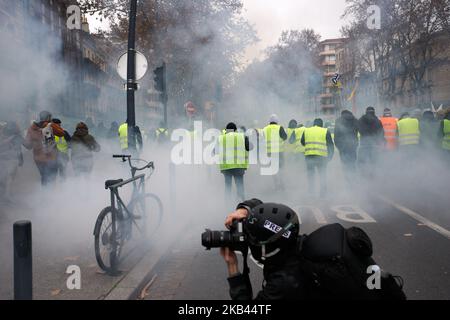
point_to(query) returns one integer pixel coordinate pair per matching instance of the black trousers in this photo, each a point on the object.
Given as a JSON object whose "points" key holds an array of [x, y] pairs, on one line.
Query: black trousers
{"points": [[368, 160], [348, 160]]}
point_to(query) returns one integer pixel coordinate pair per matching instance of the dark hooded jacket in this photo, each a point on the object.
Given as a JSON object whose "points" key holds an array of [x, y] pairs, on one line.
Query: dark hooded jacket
{"points": [[371, 130], [346, 132], [83, 146], [429, 126]]}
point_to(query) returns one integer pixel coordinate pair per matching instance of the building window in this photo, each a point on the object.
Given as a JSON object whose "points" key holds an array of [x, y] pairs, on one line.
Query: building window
{"points": [[331, 69]]}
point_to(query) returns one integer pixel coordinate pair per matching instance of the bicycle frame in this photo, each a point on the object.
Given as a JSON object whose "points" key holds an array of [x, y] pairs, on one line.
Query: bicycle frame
{"points": [[116, 199]]}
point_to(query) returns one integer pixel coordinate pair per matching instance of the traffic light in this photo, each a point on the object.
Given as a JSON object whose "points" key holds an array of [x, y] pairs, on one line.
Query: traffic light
{"points": [[160, 78]]}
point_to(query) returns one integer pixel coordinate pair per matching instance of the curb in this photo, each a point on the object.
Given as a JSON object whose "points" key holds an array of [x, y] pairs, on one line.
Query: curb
{"points": [[134, 281]]}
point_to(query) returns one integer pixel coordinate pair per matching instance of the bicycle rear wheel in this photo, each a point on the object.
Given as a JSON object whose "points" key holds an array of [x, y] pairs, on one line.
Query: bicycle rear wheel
{"points": [[107, 248], [148, 212]]}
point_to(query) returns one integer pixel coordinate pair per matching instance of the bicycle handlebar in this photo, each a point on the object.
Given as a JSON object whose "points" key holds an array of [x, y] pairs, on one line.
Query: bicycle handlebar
{"points": [[123, 156], [149, 165]]}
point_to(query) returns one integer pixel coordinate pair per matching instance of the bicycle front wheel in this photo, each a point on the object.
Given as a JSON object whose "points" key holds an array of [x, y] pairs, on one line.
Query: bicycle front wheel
{"points": [[148, 212], [107, 247]]}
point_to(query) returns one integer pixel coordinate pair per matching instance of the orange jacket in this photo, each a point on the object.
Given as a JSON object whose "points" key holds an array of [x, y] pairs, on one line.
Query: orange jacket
{"points": [[390, 132]]}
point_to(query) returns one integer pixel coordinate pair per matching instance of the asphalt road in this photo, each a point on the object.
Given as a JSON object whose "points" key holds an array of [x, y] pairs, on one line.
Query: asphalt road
{"points": [[409, 227], [405, 212]]}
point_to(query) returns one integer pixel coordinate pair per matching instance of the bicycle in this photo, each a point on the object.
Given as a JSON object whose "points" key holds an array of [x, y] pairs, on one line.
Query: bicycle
{"points": [[114, 225]]}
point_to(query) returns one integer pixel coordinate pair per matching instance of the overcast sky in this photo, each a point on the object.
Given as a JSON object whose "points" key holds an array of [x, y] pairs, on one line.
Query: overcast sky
{"points": [[271, 17]]}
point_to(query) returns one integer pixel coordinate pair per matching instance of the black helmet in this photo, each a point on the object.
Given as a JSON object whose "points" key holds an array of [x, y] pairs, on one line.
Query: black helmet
{"points": [[270, 228], [231, 126]]}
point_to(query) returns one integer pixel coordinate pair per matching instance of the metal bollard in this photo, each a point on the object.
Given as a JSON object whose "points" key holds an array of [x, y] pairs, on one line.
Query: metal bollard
{"points": [[172, 188], [23, 261]]}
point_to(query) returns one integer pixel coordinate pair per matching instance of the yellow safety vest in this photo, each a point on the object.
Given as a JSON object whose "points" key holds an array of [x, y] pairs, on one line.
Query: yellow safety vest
{"points": [[232, 153], [260, 131], [161, 131], [274, 143], [61, 144], [408, 132], [295, 147], [192, 134], [123, 136], [316, 142], [446, 140]]}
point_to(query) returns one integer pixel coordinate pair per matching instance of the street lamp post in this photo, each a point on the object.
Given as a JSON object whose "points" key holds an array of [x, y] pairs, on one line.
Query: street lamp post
{"points": [[131, 77], [355, 90]]}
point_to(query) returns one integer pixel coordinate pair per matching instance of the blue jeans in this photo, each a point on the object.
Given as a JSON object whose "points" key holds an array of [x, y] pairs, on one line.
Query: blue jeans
{"points": [[238, 175], [48, 171], [319, 163]]}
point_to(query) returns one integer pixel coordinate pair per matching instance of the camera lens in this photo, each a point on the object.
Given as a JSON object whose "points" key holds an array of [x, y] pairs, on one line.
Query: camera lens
{"points": [[216, 239]]}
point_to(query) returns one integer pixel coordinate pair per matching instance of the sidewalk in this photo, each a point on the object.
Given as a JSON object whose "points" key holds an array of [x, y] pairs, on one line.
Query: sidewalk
{"points": [[63, 219], [49, 270]]}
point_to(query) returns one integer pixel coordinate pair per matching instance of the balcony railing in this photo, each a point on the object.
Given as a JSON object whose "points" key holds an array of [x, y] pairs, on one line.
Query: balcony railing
{"points": [[327, 53], [328, 63], [328, 106]]}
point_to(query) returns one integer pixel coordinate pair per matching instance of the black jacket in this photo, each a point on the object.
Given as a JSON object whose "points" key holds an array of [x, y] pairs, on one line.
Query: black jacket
{"points": [[283, 280], [428, 130], [289, 275], [346, 132], [371, 130]]}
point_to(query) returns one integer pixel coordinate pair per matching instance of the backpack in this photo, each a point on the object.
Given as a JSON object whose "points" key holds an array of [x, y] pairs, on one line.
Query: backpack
{"points": [[336, 262], [48, 138]]}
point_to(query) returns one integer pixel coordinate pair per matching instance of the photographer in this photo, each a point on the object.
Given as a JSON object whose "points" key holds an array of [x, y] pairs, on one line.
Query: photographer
{"points": [[330, 263], [282, 272]]}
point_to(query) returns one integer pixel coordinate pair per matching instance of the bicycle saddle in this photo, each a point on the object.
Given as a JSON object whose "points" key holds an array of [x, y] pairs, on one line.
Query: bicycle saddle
{"points": [[109, 183]]}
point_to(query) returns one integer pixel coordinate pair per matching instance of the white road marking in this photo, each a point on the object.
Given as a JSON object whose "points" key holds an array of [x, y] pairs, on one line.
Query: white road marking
{"points": [[418, 217], [318, 214], [344, 212]]}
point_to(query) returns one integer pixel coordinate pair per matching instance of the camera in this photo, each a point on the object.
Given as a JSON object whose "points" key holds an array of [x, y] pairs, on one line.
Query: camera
{"points": [[235, 238]]}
